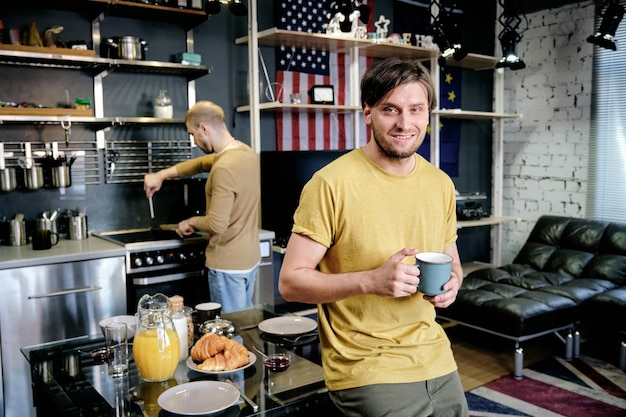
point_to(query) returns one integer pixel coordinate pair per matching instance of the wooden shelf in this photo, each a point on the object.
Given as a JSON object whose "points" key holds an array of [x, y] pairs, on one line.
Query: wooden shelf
{"points": [[189, 18], [280, 37], [476, 62], [44, 112], [48, 51], [470, 114], [487, 221], [277, 105]]}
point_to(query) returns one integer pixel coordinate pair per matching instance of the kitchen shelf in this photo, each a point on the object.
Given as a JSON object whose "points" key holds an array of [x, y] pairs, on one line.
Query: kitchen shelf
{"points": [[189, 18], [96, 65], [277, 105], [98, 122]]}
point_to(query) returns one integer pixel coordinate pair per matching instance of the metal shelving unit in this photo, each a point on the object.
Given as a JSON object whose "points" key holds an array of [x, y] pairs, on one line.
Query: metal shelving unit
{"points": [[274, 37]]}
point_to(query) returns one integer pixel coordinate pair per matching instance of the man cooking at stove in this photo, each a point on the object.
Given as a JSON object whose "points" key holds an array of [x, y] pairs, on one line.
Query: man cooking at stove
{"points": [[232, 201]]}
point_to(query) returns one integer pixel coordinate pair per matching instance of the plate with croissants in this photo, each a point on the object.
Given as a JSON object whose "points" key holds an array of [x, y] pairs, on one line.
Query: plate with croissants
{"points": [[216, 354]]}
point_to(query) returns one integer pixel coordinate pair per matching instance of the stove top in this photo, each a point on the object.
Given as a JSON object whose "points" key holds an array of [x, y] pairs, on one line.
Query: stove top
{"points": [[150, 250], [148, 238]]}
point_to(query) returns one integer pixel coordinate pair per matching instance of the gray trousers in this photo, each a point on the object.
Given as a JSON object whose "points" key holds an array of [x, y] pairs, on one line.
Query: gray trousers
{"points": [[439, 397]]}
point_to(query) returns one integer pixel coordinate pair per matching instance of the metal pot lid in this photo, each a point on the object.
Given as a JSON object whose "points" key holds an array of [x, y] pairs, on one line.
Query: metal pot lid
{"points": [[218, 326]]}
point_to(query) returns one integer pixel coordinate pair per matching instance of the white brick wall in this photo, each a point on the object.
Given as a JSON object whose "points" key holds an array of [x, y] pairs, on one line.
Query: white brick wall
{"points": [[545, 151]]}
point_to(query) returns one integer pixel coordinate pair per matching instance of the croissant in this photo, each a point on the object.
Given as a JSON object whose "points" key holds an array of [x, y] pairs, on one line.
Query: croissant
{"points": [[215, 363], [218, 353]]}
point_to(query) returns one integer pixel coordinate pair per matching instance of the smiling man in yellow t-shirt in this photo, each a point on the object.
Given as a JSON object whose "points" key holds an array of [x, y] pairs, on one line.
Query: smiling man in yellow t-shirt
{"points": [[360, 221]]}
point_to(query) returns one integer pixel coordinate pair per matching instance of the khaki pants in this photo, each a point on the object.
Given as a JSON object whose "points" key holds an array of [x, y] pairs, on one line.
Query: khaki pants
{"points": [[439, 397]]}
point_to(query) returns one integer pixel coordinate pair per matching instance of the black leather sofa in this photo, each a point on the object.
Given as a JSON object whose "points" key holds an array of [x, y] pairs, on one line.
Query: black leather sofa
{"points": [[564, 264], [603, 318]]}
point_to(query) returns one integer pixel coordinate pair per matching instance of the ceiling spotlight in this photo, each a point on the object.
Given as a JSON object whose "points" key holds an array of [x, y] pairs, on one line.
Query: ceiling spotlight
{"points": [[510, 59], [446, 47], [611, 18], [236, 7], [510, 36]]}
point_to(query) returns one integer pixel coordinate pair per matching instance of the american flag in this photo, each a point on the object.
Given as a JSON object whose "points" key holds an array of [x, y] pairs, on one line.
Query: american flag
{"points": [[299, 69]]}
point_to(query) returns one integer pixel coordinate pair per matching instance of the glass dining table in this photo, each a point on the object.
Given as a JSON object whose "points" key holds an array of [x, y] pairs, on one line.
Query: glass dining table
{"points": [[68, 381]]}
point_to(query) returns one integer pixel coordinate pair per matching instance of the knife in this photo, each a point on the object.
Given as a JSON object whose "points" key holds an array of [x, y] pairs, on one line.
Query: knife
{"points": [[247, 399]]}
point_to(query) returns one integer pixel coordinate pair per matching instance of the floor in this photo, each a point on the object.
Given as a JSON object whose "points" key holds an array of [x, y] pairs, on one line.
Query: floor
{"points": [[481, 358]]}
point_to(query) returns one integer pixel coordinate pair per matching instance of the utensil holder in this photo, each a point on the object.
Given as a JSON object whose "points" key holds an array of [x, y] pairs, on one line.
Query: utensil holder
{"points": [[17, 233]]}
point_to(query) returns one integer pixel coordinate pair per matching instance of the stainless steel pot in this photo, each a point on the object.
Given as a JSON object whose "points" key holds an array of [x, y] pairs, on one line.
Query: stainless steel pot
{"points": [[77, 227], [61, 175], [126, 47], [46, 224], [8, 180], [33, 177]]}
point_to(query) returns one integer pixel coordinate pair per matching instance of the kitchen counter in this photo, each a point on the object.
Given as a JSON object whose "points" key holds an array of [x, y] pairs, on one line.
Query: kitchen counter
{"points": [[65, 251], [85, 389]]}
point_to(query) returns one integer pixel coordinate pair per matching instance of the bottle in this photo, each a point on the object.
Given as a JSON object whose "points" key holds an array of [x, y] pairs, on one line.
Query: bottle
{"points": [[156, 347], [163, 106], [180, 323]]}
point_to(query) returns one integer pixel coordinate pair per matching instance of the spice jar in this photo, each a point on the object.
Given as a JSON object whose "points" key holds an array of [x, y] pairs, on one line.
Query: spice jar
{"points": [[163, 106]]}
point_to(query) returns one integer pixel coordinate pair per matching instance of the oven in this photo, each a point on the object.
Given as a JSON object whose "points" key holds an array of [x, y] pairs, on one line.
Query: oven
{"points": [[160, 261]]}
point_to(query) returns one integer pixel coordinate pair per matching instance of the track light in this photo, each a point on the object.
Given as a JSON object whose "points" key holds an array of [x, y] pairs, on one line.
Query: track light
{"points": [[510, 59], [446, 47], [509, 36], [236, 7], [605, 36]]}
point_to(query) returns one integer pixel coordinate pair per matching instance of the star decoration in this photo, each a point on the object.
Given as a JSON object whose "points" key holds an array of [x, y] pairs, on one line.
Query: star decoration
{"points": [[451, 96], [382, 25], [448, 78]]}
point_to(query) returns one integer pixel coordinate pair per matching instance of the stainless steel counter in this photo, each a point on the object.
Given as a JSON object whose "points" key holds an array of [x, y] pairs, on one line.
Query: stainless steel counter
{"points": [[65, 251]]}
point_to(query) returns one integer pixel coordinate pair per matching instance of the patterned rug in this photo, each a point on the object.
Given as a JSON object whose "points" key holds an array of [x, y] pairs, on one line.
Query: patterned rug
{"points": [[583, 387]]}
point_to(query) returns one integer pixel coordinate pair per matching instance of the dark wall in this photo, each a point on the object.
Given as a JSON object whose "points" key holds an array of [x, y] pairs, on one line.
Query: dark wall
{"points": [[115, 206]]}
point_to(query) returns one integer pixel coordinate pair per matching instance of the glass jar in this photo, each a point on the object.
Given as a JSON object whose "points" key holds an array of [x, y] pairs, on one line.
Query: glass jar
{"points": [[156, 347], [163, 108]]}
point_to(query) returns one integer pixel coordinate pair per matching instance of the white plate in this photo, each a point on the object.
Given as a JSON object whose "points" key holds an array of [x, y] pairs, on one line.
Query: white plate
{"points": [[288, 325], [198, 397], [193, 366]]}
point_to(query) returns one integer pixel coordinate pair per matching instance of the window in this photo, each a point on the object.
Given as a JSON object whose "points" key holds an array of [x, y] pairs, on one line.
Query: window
{"points": [[606, 197]]}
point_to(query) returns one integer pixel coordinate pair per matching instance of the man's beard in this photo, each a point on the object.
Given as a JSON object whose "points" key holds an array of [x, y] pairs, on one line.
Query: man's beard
{"points": [[388, 150]]}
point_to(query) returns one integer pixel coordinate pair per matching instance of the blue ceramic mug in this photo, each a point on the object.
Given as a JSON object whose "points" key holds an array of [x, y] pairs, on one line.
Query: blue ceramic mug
{"points": [[435, 269]]}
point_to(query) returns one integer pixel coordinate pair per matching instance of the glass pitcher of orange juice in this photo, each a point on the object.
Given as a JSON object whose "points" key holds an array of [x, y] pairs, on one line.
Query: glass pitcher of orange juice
{"points": [[156, 347]]}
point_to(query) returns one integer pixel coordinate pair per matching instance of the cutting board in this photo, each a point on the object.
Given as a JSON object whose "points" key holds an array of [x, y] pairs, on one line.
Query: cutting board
{"points": [[44, 50], [32, 111]]}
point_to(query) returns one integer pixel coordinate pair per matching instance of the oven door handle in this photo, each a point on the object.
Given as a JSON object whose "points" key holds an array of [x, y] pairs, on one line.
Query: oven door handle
{"points": [[64, 292], [164, 278]]}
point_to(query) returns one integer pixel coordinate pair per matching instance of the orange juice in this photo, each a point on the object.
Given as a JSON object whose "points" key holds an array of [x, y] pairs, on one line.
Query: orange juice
{"points": [[156, 364]]}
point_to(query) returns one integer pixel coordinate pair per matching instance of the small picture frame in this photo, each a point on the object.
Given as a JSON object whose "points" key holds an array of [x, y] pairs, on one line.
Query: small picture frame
{"points": [[322, 94]]}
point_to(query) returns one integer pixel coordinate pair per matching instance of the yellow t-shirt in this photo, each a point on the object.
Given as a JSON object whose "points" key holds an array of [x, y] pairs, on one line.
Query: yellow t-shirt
{"points": [[363, 215]]}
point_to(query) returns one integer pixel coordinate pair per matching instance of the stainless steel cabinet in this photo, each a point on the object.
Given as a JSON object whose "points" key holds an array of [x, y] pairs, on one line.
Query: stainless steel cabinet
{"points": [[51, 302]]}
